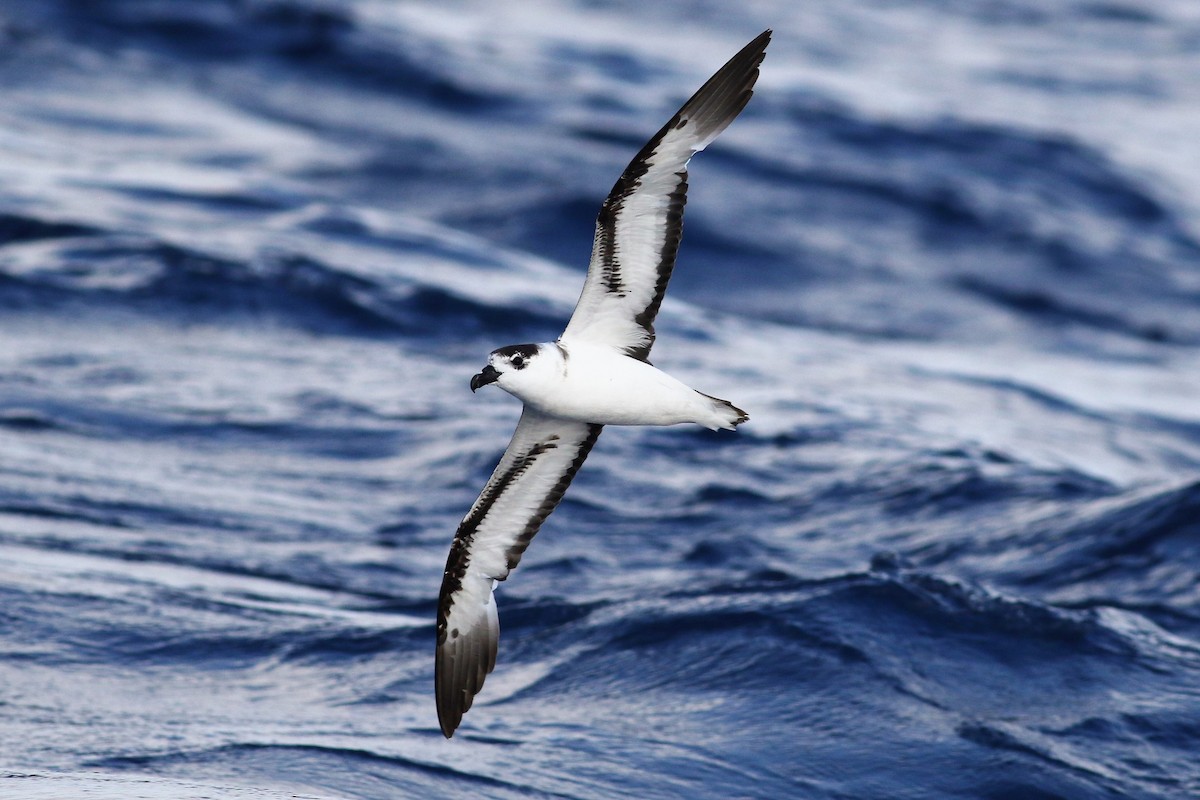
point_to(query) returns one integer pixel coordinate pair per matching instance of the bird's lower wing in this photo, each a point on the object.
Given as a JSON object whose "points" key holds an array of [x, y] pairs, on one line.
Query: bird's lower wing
{"points": [[542, 458]]}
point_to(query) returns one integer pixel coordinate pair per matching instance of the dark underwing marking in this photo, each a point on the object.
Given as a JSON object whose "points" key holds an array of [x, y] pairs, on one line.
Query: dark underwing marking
{"points": [[550, 502], [610, 211], [606, 229], [460, 556], [605, 244], [672, 236]]}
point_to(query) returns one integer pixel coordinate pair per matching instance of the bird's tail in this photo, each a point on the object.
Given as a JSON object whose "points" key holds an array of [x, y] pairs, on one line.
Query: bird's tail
{"points": [[724, 414]]}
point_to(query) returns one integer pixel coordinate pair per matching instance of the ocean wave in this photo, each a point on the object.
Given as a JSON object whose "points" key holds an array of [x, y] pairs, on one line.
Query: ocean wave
{"points": [[1134, 551], [102, 785], [160, 277]]}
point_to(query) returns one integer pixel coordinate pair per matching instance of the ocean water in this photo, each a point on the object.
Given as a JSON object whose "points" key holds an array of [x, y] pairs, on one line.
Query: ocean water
{"points": [[251, 253]]}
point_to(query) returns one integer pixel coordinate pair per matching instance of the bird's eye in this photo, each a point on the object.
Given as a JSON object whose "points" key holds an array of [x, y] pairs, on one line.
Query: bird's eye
{"points": [[518, 362]]}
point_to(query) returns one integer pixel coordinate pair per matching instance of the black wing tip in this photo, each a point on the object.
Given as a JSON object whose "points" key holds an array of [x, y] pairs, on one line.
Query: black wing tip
{"points": [[723, 96], [465, 656], [449, 709], [758, 46], [449, 724], [460, 668]]}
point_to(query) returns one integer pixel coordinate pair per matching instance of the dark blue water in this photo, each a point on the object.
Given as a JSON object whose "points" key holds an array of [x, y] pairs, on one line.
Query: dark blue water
{"points": [[949, 260]]}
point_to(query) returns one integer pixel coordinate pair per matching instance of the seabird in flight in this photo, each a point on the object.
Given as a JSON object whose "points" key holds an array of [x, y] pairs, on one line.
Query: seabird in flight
{"points": [[595, 374]]}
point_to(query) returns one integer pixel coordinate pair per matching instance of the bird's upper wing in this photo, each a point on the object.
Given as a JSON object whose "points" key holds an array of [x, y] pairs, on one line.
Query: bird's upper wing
{"points": [[542, 458], [640, 224]]}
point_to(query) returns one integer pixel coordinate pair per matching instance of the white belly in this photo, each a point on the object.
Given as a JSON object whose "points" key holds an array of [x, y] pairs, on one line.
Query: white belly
{"points": [[601, 386]]}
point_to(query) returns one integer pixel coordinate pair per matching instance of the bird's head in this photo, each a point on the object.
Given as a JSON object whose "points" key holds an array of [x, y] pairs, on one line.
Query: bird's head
{"points": [[517, 367]]}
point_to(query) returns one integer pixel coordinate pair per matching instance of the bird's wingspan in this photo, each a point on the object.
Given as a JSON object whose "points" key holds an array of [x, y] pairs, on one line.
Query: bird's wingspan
{"points": [[640, 224], [542, 458]]}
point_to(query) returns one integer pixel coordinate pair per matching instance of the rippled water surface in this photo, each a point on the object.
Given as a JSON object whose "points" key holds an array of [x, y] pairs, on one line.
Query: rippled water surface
{"points": [[949, 260]]}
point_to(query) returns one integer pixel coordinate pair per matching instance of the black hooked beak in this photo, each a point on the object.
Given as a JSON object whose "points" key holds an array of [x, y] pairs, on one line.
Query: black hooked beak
{"points": [[489, 375]]}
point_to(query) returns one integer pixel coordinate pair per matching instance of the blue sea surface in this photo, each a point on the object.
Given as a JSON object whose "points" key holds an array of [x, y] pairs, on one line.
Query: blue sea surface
{"points": [[252, 251]]}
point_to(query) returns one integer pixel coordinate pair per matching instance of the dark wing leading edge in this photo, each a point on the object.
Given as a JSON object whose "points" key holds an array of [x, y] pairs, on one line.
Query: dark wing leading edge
{"points": [[640, 224], [542, 458]]}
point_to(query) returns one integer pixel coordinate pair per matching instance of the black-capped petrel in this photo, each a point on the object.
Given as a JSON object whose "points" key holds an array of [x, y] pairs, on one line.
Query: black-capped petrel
{"points": [[595, 374]]}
